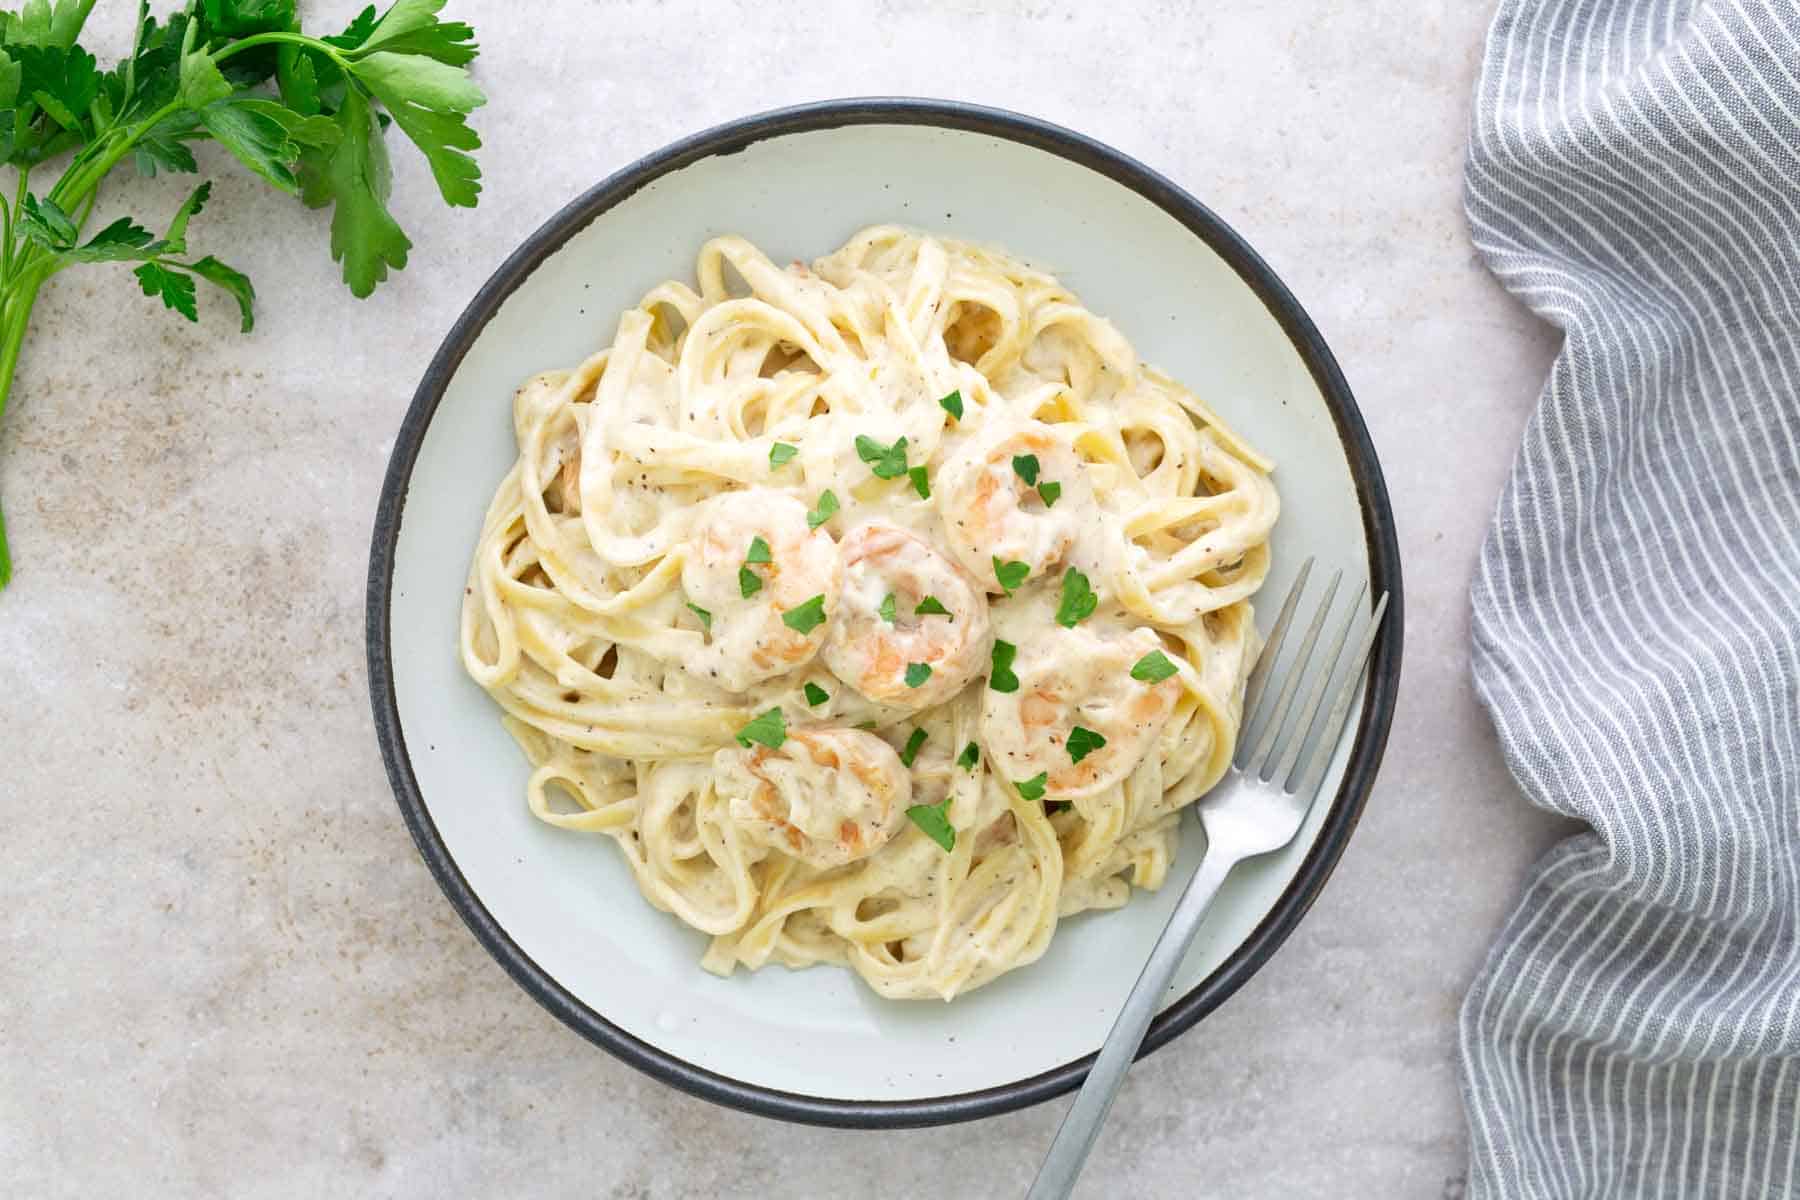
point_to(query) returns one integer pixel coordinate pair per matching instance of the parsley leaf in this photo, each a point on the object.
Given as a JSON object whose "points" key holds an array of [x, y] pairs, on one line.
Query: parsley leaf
{"points": [[780, 454], [44, 222], [912, 747], [199, 81], [1000, 672], [175, 287], [815, 695], [749, 582], [971, 754], [1083, 742], [805, 618], [357, 32], [235, 282], [1154, 667], [952, 404], [769, 728], [917, 673], [1025, 466], [428, 100], [255, 138], [447, 41], [162, 145], [38, 24], [63, 80], [190, 208], [758, 552], [828, 506], [885, 462], [886, 611], [920, 481], [1049, 490], [934, 821], [1078, 600], [414, 22], [1033, 788], [930, 606], [122, 241], [354, 176], [705, 617], [1010, 574]]}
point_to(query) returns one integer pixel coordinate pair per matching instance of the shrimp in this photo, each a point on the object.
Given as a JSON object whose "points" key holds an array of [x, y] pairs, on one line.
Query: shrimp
{"points": [[749, 640], [827, 797], [880, 650], [991, 512], [1076, 678]]}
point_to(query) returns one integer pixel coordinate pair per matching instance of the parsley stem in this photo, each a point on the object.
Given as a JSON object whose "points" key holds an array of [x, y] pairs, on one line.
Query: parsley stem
{"points": [[295, 39], [83, 177], [15, 315], [19, 192]]}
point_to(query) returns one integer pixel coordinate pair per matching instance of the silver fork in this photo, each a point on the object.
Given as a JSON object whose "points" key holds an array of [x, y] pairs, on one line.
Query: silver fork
{"points": [[1257, 808]]}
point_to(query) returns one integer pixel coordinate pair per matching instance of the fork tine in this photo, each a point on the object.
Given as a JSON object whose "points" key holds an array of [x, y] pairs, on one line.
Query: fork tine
{"points": [[1321, 684], [1333, 727], [1271, 734], [1265, 661]]}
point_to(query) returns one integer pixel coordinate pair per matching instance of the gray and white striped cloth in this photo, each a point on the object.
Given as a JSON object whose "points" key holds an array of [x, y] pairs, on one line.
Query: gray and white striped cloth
{"points": [[1634, 177]]}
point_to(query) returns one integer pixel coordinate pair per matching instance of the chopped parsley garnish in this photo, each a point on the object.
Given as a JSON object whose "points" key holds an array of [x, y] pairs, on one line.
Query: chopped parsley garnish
{"points": [[1033, 788], [1083, 742], [1010, 574], [780, 454], [815, 695], [912, 747], [969, 757], [886, 462], [805, 618], [1025, 466], [1049, 490], [1154, 667], [749, 582], [705, 617], [1078, 600], [930, 607], [828, 506], [886, 611], [934, 821], [917, 674], [769, 728], [952, 404], [921, 484], [1000, 673]]}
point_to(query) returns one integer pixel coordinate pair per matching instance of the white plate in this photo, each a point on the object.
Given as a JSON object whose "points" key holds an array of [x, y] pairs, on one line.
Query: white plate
{"points": [[558, 909]]}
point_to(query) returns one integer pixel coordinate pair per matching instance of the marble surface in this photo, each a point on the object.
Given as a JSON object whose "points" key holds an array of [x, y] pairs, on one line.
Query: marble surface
{"points": [[225, 969]]}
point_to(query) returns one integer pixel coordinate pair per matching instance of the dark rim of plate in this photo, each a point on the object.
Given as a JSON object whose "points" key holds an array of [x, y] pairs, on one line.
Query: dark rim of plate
{"points": [[1378, 527]]}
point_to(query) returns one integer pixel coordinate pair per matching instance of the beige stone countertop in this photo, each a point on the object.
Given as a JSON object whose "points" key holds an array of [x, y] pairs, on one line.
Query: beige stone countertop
{"points": [[226, 972]]}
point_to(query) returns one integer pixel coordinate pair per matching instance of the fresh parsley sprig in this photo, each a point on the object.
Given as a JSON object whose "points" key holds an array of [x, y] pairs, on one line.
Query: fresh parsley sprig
{"points": [[305, 114]]}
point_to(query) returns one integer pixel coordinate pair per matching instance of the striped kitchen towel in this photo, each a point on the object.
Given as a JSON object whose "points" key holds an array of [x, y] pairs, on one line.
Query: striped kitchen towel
{"points": [[1634, 177]]}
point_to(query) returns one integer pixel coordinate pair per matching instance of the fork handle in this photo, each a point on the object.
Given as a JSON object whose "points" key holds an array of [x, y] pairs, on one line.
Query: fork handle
{"points": [[1081, 1127]]}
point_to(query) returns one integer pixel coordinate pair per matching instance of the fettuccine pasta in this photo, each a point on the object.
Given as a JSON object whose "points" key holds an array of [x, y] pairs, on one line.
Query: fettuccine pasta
{"points": [[882, 612]]}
